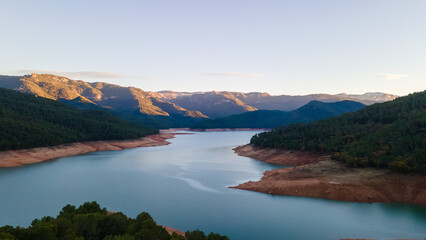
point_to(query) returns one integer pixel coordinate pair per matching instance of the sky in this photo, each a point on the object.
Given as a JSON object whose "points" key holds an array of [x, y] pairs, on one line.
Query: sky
{"points": [[280, 47]]}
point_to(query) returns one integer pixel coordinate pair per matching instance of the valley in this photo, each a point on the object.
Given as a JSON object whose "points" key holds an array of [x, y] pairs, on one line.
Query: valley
{"points": [[166, 109], [48, 119], [194, 172], [212, 120]]}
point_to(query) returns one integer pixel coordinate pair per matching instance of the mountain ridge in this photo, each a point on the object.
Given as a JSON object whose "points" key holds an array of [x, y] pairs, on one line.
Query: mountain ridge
{"points": [[261, 100], [314, 110], [170, 108], [128, 103], [129, 99], [28, 121]]}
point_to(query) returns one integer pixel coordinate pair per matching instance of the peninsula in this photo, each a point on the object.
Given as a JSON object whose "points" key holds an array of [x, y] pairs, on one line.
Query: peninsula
{"points": [[317, 176], [372, 155]]}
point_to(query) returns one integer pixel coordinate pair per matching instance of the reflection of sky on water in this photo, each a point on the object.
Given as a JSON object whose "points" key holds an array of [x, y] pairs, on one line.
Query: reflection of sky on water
{"points": [[185, 185]]}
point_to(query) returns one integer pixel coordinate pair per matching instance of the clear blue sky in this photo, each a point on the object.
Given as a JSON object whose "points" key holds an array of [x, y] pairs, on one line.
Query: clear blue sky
{"points": [[280, 47]]}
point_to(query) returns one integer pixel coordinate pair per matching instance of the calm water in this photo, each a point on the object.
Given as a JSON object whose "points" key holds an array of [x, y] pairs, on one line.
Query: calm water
{"points": [[184, 185]]}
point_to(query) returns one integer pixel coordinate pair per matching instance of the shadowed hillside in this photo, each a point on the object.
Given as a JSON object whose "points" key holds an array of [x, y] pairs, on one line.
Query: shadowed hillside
{"points": [[213, 104], [312, 111], [166, 109], [127, 101], [27, 121], [386, 135]]}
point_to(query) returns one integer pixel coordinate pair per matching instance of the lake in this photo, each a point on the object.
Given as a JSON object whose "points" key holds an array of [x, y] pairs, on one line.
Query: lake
{"points": [[184, 185]]}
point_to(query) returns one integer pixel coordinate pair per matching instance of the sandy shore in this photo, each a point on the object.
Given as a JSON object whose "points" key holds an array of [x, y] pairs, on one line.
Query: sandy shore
{"points": [[16, 158], [319, 177]]}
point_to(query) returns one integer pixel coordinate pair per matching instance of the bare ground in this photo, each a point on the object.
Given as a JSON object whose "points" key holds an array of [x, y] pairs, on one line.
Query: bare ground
{"points": [[318, 176], [16, 158]]}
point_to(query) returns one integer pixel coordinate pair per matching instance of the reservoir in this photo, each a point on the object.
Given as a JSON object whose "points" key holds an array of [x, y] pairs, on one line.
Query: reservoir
{"points": [[184, 185]]}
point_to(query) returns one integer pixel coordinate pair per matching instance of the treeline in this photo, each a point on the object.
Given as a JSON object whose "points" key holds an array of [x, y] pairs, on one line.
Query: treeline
{"points": [[91, 222], [27, 121], [312, 111], [385, 135]]}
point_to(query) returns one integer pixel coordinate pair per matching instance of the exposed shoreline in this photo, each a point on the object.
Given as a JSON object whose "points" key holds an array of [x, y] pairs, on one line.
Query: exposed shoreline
{"points": [[227, 129], [318, 176], [279, 156], [15, 158], [214, 129], [172, 230]]}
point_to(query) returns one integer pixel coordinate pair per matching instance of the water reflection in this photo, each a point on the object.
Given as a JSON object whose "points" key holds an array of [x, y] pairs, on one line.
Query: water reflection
{"points": [[185, 185]]}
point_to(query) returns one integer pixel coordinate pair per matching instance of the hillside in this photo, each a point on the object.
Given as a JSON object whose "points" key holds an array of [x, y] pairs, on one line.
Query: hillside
{"points": [[213, 104], [126, 101], [312, 111], [165, 109], [386, 135], [220, 104], [28, 121], [289, 102]]}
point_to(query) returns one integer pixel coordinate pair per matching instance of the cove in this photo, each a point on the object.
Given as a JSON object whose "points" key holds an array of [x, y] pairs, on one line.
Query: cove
{"points": [[184, 185]]}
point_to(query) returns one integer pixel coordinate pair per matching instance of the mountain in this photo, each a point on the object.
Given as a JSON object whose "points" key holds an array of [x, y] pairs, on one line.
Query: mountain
{"points": [[129, 101], [28, 121], [288, 102], [221, 104], [385, 135], [165, 109], [312, 111], [213, 104], [167, 95], [369, 98]]}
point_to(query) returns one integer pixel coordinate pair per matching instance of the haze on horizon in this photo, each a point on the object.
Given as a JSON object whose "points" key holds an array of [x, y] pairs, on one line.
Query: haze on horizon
{"points": [[279, 47]]}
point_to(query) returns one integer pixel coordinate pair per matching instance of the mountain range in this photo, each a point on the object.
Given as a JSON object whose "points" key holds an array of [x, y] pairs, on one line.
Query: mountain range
{"points": [[220, 104], [314, 110], [165, 109], [126, 102]]}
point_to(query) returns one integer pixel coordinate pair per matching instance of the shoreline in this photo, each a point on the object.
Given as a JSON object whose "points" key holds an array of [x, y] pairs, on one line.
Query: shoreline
{"points": [[172, 230], [16, 158], [227, 129], [317, 176], [279, 156], [213, 129]]}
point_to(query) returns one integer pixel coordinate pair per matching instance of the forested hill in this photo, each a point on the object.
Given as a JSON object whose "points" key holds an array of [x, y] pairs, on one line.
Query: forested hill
{"points": [[386, 135], [312, 111], [90, 221], [28, 121]]}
